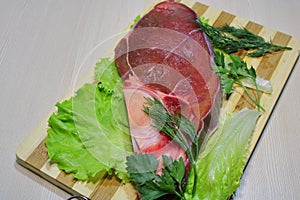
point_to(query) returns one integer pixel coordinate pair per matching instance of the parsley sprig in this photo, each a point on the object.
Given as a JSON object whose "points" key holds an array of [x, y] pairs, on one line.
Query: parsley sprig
{"points": [[184, 133], [231, 40], [233, 72], [177, 128], [142, 169]]}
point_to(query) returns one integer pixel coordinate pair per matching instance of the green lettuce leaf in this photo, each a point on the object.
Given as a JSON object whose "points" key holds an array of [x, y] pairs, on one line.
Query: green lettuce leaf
{"points": [[89, 134], [108, 77], [220, 165]]}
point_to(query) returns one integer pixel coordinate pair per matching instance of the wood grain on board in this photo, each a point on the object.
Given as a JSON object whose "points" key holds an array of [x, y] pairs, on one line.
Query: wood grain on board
{"points": [[275, 67]]}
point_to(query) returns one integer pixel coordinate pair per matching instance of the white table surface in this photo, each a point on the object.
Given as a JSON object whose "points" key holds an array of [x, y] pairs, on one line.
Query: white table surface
{"points": [[42, 45]]}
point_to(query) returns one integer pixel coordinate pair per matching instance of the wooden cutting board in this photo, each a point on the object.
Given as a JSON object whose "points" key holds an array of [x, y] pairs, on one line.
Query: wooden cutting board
{"points": [[275, 67]]}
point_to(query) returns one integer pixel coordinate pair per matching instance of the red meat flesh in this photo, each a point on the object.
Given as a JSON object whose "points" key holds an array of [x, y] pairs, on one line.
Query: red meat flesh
{"points": [[166, 56]]}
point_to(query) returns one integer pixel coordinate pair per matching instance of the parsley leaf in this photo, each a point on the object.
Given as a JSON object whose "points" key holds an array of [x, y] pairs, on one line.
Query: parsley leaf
{"points": [[234, 72], [175, 168], [142, 169]]}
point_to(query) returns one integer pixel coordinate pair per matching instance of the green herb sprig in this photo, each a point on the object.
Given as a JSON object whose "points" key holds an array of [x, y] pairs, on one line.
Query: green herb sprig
{"points": [[184, 133], [176, 127], [142, 169], [231, 40], [173, 125], [233, 72], [136, 19]]}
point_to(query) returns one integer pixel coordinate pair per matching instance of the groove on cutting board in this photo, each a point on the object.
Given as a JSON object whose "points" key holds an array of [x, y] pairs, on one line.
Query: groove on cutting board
{"points": [[66, 179], [254, 27], [269, 62], [106, 189], [224, 18], [199, 8], [39, 156]]}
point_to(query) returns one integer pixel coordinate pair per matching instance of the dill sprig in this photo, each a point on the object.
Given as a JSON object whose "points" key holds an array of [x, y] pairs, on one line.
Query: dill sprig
{"points": [[231, 40]]}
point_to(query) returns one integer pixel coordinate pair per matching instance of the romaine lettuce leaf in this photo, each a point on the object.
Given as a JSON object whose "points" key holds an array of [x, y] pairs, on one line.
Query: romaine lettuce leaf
{"points": [[89, 133], [220, 165]]}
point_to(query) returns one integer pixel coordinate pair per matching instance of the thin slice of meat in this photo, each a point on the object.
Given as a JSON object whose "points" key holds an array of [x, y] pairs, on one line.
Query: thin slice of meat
{"points": [[166, 56]]}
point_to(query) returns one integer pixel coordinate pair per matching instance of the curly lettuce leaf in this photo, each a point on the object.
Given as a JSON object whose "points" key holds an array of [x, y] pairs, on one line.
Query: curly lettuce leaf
{"points": [[89, 133], [107, 75], [220, 165]]}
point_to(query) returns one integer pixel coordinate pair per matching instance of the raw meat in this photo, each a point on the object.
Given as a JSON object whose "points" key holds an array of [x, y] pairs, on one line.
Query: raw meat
{"points": [[166, 56]]}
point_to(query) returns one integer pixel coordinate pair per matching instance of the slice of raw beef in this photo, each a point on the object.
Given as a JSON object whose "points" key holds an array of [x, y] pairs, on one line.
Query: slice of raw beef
{"points": [[166, 56]]}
